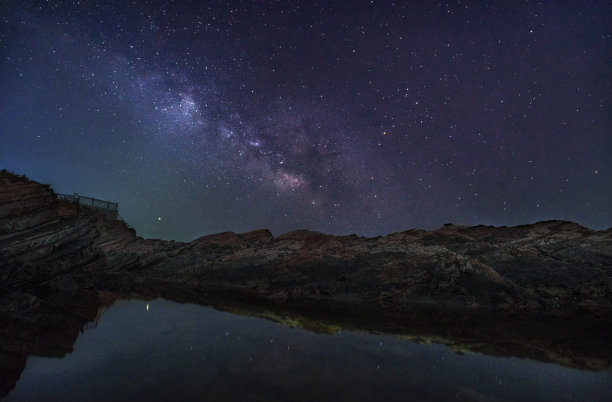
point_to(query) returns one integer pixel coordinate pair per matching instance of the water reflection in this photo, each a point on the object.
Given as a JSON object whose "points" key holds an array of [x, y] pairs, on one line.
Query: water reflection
{"points": [[162, 350]]}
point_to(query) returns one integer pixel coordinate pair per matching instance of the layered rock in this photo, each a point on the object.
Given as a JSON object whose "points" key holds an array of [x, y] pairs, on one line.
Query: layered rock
{"points": [[54, 255], [44, 243], [553, 267]]}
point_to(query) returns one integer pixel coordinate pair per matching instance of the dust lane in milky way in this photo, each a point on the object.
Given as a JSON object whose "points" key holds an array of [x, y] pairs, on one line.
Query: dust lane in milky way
{"points": [[344, 117]]}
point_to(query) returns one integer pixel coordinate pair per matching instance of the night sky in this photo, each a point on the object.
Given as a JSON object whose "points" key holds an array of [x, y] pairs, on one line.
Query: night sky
{"points": [[345, 117]]}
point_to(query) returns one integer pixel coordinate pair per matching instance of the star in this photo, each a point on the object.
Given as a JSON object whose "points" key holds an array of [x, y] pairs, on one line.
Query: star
{"points": [[188, 109]]}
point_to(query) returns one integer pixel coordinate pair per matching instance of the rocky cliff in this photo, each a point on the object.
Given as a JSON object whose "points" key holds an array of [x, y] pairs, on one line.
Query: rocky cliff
{"points": [[552, 267], [56, 258]]}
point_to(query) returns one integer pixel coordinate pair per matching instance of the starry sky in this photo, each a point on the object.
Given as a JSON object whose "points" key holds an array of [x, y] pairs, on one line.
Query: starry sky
{"points": [[359, 117]]}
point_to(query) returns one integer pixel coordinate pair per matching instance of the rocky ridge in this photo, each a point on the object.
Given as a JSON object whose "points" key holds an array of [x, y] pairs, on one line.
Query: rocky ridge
{"points": [[54, 255], [552, 267]]}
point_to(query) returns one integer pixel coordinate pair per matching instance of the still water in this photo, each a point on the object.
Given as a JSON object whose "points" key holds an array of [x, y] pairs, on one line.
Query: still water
{"points": [[162, 350]]}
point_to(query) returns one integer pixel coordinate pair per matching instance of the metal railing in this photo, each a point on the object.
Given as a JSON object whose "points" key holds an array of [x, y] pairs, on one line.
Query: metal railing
{"points": [[93, 202]]}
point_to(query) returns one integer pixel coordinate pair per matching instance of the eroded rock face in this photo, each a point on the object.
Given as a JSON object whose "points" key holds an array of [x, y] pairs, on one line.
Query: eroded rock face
{"points": [[551, 267], [53, 255]]}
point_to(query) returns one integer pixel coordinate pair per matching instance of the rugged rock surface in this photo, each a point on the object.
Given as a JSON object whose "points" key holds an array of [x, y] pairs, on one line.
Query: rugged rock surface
{"points": [[54, 256], [557, 268], [553, 267]]}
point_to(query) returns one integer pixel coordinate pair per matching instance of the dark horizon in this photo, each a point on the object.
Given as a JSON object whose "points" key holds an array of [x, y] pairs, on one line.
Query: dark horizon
{"points": [[345, 117], [276, 235]]}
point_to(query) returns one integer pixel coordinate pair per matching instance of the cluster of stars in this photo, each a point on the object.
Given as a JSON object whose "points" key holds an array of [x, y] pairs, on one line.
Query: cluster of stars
{"points": [[302, 115]]}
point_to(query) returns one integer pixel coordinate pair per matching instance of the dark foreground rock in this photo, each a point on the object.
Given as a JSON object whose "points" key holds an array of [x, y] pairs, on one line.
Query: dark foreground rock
{"points": [[543, 289]]}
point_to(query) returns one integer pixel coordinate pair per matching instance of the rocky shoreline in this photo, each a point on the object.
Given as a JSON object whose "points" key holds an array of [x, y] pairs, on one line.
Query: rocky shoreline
{"points": [[523, 281]]}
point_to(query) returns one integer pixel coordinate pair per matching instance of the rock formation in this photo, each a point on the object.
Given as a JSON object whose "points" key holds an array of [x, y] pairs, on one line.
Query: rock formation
{"points": [[55, 259]]}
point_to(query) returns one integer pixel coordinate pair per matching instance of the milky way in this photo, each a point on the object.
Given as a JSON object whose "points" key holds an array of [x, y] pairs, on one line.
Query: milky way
{"points": [[344, 117]]}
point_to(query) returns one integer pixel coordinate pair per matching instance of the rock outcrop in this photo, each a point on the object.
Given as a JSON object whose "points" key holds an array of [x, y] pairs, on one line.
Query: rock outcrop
{"points": [[552, 268], [54, 256]]}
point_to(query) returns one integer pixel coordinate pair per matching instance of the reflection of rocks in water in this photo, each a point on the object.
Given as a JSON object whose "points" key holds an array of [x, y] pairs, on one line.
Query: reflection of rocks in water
{"points": [[581, 343], [469, 395], [48, 326], [541, 291], [11, 366], [576, 346]]}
